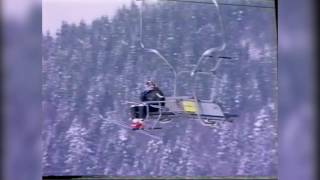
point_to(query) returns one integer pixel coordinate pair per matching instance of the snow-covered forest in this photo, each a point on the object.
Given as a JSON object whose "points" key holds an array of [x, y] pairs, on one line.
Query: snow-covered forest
{"points": [[91, 69]]}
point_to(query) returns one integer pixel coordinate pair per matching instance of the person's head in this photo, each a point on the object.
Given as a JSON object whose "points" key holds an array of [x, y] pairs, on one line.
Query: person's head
{"points": [[149, 85]]}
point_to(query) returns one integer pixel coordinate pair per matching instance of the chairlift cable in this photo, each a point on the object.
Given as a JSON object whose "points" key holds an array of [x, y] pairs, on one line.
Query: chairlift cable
{"points": [[219, 3]]}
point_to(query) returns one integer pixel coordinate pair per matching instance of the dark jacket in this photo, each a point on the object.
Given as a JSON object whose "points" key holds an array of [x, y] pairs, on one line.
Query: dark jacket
{"points": [[153, 95]]}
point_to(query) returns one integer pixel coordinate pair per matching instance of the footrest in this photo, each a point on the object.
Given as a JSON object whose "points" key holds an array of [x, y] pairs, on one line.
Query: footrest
{"points": [[163, 113]]}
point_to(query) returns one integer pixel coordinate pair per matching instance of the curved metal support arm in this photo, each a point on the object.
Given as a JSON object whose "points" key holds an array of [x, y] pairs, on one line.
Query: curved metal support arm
{"points": [[156, 52], [203, 56], [208, 52], [216, 66]]}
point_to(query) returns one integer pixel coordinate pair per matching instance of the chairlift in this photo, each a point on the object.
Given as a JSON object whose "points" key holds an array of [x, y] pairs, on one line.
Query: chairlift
{"points": [[207, 112]]}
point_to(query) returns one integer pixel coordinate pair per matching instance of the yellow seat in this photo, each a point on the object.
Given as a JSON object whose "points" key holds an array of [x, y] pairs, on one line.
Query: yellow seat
{"points": [[189, 106]]}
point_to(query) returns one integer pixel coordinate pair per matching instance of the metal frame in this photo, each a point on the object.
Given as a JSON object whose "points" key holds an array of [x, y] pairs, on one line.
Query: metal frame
{"points": [[201, 117], [206, 54]]}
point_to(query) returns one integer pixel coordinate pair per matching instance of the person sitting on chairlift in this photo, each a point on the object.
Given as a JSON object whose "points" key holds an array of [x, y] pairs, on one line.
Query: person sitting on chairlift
{"points": [[138, 113], [152, 93]]}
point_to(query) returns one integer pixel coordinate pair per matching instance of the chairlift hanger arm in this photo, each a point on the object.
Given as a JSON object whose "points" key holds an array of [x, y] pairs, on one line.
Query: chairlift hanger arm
{"points": [[156, 52], [203, 56]]}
